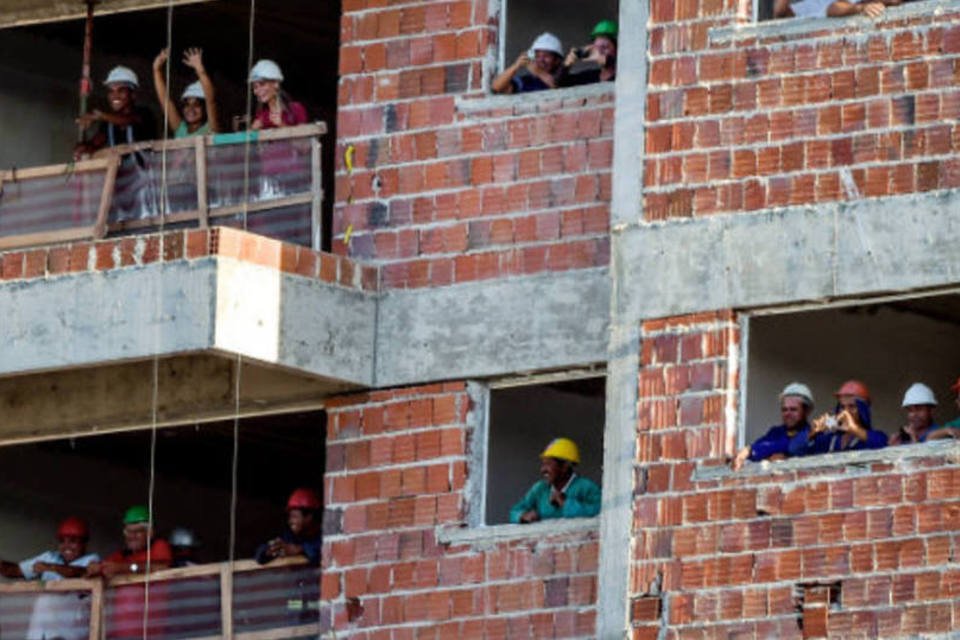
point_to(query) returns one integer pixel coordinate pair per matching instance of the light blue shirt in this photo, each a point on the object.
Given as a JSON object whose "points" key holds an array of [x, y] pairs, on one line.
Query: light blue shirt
{"points": [[53, 557]]}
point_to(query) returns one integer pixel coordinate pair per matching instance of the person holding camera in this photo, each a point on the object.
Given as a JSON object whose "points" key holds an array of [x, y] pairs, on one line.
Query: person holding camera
{"points": [[600, 57], [848, 428], [534, 70]]}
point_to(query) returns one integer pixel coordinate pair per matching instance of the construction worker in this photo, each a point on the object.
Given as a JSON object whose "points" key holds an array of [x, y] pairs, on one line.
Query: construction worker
{"points": [[535, 70], [920, 404], [303, 533], [184, 544], [796, 403], [57, 616], [198, 101], [134, 556], [847, 429], [276, 108], [560, 493], [126, 122], [952, 428], [601, 53]]}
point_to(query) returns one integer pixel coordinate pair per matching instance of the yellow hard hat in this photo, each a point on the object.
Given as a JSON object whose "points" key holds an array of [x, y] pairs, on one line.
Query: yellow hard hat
{"points": [[563, 449]]}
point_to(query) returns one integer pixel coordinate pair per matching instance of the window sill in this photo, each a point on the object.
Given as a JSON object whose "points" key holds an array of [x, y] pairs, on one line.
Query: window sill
{"points": [[848, 460], [493, 534], [787, 27], [535, 100]]}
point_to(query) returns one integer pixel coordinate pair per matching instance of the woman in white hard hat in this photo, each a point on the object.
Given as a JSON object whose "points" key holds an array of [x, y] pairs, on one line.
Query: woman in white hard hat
{"points": [[542, 65], [276, 108], [126, 122], [198, 101]]}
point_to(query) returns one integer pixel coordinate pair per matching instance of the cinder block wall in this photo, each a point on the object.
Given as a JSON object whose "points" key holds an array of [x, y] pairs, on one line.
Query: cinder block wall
{"points": [[446, 185], [396, 472]]}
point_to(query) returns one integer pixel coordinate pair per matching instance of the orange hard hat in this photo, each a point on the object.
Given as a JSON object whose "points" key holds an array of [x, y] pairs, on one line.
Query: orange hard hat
{"points": [[956, 386], [73, 526], [854, 388], [303, 498]]}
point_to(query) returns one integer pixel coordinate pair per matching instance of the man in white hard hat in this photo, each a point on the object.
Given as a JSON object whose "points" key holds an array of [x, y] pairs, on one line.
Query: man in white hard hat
{"points": [[560, 493], [796, 403], [125, 122], [542, 66], [919, 403]]}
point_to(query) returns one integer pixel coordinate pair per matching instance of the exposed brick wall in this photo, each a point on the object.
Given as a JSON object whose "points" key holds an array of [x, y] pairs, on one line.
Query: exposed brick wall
{"points": [[765, 121], [860, 550], [443, 191], [172, 246], [396, 470]]}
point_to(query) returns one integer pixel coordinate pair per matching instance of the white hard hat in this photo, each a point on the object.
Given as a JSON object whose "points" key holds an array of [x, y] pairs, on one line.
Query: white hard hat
{"points": [[548, 42], [266, 70], [193, 90], [800, 390], [919, 393], [183, 537], [122, 75]]}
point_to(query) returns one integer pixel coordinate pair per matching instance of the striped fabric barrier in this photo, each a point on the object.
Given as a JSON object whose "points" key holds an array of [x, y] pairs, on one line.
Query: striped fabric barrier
{"points": [[268, 181]]}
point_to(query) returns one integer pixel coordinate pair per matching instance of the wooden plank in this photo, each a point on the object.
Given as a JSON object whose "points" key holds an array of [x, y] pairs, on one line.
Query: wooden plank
{"points": [[226, 600], [22, 13], [201, 162], [27, 240], [38, 586], [106, 199], [263, 205], [316, 183], [46, 171], [96, 610], [280, 633], [213, 569]]}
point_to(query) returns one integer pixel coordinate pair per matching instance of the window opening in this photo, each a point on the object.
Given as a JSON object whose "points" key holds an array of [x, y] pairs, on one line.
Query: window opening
{"points": [[888, 344], [523, 420]]}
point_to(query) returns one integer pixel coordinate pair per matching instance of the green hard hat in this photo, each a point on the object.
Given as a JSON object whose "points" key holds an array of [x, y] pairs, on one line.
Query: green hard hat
{"points": [[137, 514], [605, 28]]}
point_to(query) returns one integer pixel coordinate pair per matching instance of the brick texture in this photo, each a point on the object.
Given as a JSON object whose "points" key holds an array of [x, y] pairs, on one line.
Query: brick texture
{"points": [[186, 245], [756, 122], [757, 555], [444, 189], [396, 470]]}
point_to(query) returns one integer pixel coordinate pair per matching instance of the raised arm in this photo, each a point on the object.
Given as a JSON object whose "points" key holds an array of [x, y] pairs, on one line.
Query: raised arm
{"points": [[193, 58], [503, 83], [163, 96]]}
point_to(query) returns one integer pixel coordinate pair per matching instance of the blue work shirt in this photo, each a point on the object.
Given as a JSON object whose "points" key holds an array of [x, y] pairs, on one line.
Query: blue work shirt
{"points": [[582, 500], [311, 547], [831, 441], [774, 441], [528, 82]]}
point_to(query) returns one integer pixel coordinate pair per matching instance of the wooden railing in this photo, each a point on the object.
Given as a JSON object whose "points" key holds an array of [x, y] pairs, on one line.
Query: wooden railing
{"points": [[266, 181], [241, 600]]}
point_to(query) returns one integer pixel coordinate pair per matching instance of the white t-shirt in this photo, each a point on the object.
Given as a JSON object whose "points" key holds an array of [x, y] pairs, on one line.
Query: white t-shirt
{"points": [[811, 8]]}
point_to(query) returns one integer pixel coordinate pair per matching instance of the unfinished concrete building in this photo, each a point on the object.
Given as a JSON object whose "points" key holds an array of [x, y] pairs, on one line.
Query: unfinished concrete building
{"points": [[446, 279]]}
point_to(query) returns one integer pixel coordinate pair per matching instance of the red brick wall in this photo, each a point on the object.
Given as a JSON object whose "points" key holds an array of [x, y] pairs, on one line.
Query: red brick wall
{"points": [[751, 555], [766, 121], [441, 191], [397, 469]]}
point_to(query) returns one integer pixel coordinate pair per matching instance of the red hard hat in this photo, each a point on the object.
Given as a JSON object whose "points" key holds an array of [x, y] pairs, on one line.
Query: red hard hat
{"points": [[956, 386], [303, 498], [854, 388], [73, 526]]}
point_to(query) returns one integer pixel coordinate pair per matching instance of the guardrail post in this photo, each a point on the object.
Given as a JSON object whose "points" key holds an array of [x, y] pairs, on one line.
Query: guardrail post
{"points": [[96, 610], [201, 162], [316, 210], [226, 599]]}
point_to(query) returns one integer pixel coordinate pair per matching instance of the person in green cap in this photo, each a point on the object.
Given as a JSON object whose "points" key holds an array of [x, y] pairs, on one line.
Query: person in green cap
{"points": [[133, 557], [561, 493], [600, 57]]}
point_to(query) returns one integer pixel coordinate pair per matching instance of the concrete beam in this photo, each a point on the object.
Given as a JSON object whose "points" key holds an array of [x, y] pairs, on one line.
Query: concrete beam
{"points": [[120, 396], [491, 328], [789, 255]]}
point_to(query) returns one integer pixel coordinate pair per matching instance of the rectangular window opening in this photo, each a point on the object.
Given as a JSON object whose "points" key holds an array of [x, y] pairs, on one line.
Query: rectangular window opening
{"points": [[888, 344], [571, 21], [523, 420]]}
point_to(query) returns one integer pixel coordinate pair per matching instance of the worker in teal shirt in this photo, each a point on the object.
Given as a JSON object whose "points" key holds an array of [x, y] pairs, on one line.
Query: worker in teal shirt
{"points": [[561, 493]]}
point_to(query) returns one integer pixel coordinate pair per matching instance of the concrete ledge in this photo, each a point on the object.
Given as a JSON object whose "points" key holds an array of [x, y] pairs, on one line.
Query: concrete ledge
{"points": [[535, 101], [788, 255], [483, 537], [845, 463], [833, 27]]}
